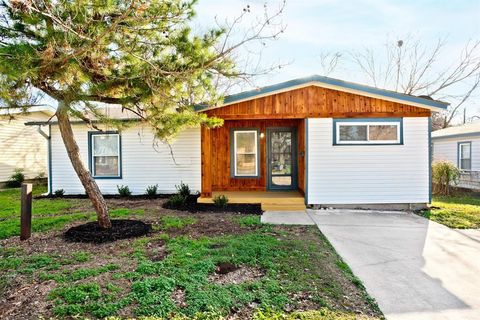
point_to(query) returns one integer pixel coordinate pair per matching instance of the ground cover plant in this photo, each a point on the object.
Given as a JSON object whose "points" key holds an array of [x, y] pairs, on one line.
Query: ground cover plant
{"points": [[459, 210], [203, 265]]}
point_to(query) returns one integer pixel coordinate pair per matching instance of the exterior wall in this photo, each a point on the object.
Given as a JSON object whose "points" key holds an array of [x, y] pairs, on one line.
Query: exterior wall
{"points": [[446, 149], [144, 163], [367, 174], [22, 147], [219, 160]]}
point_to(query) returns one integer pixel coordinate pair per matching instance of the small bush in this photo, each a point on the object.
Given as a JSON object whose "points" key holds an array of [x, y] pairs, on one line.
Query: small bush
{"points": [[444, 174], [151, 191], [59, 193], [220, 201], [183, 189], [124, 191], [16, 179], [177, 200]]}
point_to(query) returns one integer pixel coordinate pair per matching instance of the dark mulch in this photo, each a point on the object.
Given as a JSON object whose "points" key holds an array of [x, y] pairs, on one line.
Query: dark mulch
{"points": [[225, 267], [93, 233], [192, 206]]}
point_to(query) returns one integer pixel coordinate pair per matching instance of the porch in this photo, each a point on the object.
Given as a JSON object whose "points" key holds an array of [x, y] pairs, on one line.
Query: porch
{"points": [[270, 200], [255, 161]]}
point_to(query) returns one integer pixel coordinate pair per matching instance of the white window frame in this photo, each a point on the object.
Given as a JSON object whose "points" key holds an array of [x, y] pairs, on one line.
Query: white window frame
{"points": [[460, 153], [235, 132], [92, 156], [368, 124]]}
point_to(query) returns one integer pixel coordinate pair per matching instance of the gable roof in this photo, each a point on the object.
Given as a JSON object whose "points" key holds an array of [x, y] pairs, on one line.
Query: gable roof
{"points": [[334, 84], [471, 129]]}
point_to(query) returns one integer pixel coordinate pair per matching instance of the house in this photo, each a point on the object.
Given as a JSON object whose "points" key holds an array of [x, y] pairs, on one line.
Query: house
{"points": [[324, 141], [461, 146], [22, 147]]}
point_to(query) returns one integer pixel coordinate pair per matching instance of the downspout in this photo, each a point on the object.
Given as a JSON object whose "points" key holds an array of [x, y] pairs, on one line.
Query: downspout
{"points": [[49, 150], [430, 156]]}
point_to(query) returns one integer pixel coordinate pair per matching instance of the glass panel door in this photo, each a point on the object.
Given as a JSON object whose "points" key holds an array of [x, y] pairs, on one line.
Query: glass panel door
{"points": [[281, 158]]}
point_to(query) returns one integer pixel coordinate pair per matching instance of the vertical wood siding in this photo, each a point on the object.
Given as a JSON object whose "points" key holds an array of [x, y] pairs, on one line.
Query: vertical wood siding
{"points": [[315, 101], [144, 163], [22, 146], [446, 149], [217, 161], [368, 174]]}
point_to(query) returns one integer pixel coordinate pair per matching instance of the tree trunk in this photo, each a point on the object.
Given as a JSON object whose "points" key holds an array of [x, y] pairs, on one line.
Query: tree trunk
{"points": [[83, 174]]}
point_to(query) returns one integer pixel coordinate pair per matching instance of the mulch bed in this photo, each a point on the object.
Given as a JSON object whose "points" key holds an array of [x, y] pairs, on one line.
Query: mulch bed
{"points": [[192, 206], [93, 233]]}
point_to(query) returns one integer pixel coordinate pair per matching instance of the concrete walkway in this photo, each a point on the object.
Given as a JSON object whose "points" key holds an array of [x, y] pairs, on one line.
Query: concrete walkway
{"points": [[287, 217], [413, 267]]}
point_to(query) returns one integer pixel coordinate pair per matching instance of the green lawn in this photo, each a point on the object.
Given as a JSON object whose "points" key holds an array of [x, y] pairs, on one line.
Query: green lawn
{"points": [[48, 214], [171, 272], [458, 211]]}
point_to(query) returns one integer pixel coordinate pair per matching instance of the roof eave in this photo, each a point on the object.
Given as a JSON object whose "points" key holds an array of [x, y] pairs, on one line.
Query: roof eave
{"points": [[334, 84]]}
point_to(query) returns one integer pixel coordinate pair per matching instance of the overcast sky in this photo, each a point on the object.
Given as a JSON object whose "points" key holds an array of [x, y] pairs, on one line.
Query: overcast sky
{"points": [[316, 26]]}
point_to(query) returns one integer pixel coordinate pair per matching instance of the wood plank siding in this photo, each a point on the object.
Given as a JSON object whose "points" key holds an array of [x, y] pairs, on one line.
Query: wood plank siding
{"points": [[216, 171], [315, 102], [285, 109]]}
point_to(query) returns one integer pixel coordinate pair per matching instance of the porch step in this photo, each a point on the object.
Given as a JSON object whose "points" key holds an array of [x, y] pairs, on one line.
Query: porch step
{"points": [[283, 207]]}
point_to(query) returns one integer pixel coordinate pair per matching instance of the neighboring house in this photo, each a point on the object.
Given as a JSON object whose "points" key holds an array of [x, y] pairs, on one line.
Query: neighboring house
{"points": [[335, 142], [461, 146], [22, 147]]}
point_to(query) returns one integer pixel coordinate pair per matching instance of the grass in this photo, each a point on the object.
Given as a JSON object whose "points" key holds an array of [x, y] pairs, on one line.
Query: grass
{"points": [[292, 264], [458, 211], [48, 214]]}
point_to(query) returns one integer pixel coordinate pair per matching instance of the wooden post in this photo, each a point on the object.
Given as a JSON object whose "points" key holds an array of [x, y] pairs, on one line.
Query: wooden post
{"points": [[26, 212], [206, 155]]}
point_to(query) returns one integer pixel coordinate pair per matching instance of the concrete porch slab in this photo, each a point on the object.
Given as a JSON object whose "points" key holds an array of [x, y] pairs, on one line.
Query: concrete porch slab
{"points": [[287, 217]]}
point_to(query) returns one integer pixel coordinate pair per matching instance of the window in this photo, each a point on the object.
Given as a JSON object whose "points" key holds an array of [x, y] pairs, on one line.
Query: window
{"points": [[465, 155], [353, 131], [245, 153], [105, 159]]}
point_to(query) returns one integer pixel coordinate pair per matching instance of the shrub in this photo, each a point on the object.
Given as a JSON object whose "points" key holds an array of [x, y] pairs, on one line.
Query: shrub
{"points": [[177, 200], [59, 193], [183, 189], [151, 191], [16, 179], [220, 201], [124, 191], [444, 174]]}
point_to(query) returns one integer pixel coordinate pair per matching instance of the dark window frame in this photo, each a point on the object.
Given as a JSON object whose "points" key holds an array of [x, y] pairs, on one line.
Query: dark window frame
{"points": [[233, 154], [91, 134], [459, 154], [367, 121]]}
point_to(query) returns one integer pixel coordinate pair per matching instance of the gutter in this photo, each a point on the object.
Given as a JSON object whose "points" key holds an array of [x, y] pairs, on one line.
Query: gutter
{"points": [[49, 150]]}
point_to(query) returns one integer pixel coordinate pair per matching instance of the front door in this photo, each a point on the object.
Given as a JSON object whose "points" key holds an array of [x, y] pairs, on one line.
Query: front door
{"points": [[281, 159]]}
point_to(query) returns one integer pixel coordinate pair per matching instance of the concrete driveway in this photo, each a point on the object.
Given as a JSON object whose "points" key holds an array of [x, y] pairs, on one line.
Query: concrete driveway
{"points": [[413, 267]]}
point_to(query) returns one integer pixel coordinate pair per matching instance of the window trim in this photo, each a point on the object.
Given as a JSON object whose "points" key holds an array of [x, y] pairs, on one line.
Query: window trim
{"points": [[367, 121], [459, 158], [91, 134], [233, 153]]}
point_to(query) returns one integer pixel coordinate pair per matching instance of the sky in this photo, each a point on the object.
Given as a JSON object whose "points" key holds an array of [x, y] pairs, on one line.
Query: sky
{"points": [[314, 27]]}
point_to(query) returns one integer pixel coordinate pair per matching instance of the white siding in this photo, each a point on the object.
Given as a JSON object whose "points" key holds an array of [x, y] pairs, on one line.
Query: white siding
{"points": [[368, 174], [143, 163], [446, 149], [22, 147]]}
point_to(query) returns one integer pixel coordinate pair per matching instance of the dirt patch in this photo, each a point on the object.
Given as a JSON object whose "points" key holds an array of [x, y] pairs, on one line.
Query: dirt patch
{"points": [[179, 297], [210, 225], [156, 250], [27, 302], [121, 229], [227, 273]]}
